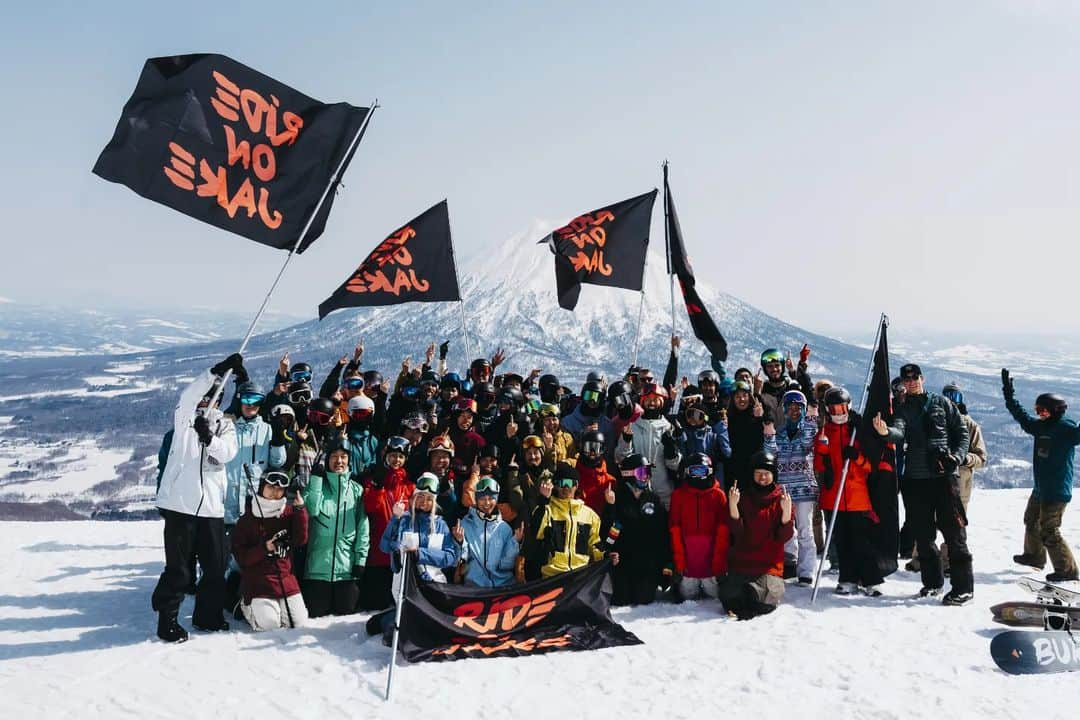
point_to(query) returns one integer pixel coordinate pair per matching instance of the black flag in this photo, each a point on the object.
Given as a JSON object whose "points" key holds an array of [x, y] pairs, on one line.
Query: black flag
{"points": [[225, 144], [882, 482], [414, 264], [679, 265], [604, 247], [568, 611]]}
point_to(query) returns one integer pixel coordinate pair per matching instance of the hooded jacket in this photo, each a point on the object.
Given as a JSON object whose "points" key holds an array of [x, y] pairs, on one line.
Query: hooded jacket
{"points": [[383, 488], [194, 479], [255, 450], [646, 440], [699, 531], [593, 483], [266, 576], [490, 550], [338, 537], [568, 535], [758, 536], [1052, 456]]}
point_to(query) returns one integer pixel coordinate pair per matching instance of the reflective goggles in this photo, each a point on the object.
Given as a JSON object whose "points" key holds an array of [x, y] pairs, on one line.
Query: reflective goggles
{"points": [[533, 406], [591, 396], [639, 476], [487, 486], [592, 447], [318, 417], [409, 391], [277, 478], [252, 399], [354, 383], [565, 483], [415, 423], [649, 387], [532, 441], [695, 413], [300, 376], [300, 396], [698, 472], [428, 483], [772, 357], [647, 379], [361, 414], [837, 409], [549, 410]]}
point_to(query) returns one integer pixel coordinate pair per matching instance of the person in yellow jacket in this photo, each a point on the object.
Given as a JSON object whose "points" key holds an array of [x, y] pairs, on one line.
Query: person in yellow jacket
{"points": [[559, 445], [567, 530]]}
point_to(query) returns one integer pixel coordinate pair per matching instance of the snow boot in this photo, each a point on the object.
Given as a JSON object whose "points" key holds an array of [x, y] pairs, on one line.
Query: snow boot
{"points": [[210, 627], [930, 592], [1056, 577], [169, 630], [873, 591], [845, 588], [805, 581], [913, 565], [1030, 561], [789, 569], [957, 598]]}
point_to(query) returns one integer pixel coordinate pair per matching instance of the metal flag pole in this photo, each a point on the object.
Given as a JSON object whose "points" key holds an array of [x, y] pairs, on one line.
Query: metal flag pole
{"points": [[667, 244], [299, 240], [883, 322], [641, 305], [461, 300], [397, 624]]}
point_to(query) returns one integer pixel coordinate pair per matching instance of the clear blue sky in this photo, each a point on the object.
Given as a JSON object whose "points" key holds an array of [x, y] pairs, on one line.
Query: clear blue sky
{"points": [[813, 145]]}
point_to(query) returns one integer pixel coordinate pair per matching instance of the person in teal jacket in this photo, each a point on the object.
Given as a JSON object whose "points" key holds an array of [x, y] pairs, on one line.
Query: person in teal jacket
{"points": [[337, 537], [489, 547], [1056, 438]]}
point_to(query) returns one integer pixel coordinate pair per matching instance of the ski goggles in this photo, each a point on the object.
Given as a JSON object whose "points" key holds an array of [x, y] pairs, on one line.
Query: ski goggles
{"points": [[300, 396], [591, 396], [428, 483], [276, 478], [415, 423], [649, 387], [532, 441], [549, 410], [837, 409], [318, 417], [409, 392], [252, 399], [465, 405], [696, 414], [485, 398], [533, 406], [361, 414], [354, 383], [592, 447], [774, 356], [639, 475], [487, 486], [565, 483], [300, 376], [698, 472], [955, 395], [647, 378]]}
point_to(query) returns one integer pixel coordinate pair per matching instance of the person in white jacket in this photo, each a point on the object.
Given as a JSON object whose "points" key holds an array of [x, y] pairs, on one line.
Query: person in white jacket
{"points": [[651, 436], [191, 498]]}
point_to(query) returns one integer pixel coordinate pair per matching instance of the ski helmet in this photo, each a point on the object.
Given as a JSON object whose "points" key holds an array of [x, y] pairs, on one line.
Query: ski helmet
{"points": [[429, 377], [320, 412], [250, 393], [593, 444], [597, 377], [697, 469], [764, 460], [793, 396], [837, 395], [591, 393], [953, 392], [770, 356], [549, 410], [398, 444], [451, 380], [549, 388], [708, 376], [480, 369], [511, 396], [441, 442], [484, 394], [1055, 404], [487, 485], [490, 450], [741, 386], [373, 379], [566, 476], [636, 470], [512, 379], [361, 408], [299, 393], [464, 404], [300, 372], [336, 444]]}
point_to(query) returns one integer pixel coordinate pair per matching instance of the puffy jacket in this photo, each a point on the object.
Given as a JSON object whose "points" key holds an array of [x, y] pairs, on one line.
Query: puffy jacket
{"points": [[829, 465], [593, 483], [383, 488], [699, 531], [490, 550], [643, 541], [576, 422], [745, 432], [467, 446], [363, 451], [646, 440], [568, 534], [976, 455], [254, 449], [338, 537], [795, 458], [193, 482], [437, 551], [758, 536], [1052, 456], [713, 441], [929, 424], [563, 449], [265, 576]]}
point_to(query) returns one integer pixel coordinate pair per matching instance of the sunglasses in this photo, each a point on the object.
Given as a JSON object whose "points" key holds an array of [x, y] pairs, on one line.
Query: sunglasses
{"points": [[355, 383], [276, 478], [300, 376], [565, 483], [698, 472], [361, 414], [252, 399], [318, 417], [487, 486], [428, 484], [639, 475], [300, 396]]}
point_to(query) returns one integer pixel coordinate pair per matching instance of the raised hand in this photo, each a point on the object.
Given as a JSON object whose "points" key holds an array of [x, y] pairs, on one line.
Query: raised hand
{"points": [[549, 440], [358, 350], [768, 429], [759, 409], [609, 495], [283, 365], [759, 382], [879, 425], [511, 428], [546, 486], [733, 500], [399, 509], [498, 358], [406, 363], [444, 350], [430, 353], [459, 533], [785, 504], [790, 364], [1007, 388], [804, 354], [519, 533], [343, 360]]}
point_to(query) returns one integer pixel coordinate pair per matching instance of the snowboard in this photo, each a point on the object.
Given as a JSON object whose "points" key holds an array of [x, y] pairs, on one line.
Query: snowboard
{"points": [[1062, 594], [1022, 652], [1031, 614]]}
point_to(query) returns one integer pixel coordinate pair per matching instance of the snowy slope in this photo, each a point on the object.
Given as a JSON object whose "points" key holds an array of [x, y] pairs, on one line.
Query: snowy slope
{"points": [[76, 639]]}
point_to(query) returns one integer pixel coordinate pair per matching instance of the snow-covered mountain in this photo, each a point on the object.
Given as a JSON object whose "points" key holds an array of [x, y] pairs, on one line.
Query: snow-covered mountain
{"points": [[54, 410]]}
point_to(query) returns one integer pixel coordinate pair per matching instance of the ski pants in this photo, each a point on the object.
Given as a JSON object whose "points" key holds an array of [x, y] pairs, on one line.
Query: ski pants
{"points": [[694, 588], [330, 598], [634, 584], [858, 561], [189, 538], [1042, 534], [375, 593], [934, 504], [748, 596], [801, 545], [273, 613]]}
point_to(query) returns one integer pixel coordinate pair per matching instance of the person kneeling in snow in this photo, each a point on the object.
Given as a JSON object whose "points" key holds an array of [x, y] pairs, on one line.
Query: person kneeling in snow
{"points": [[699, 530], [261, 545], [489, 547], [760, 524]]}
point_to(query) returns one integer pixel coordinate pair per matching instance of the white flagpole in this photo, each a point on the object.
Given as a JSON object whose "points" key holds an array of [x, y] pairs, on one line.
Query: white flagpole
{"points": [[461, 300], [397, 624], [883, 322], [641, 305]]}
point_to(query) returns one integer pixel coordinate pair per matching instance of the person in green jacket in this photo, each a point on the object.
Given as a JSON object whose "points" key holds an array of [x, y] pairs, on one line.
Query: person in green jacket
{"points": [[338, 537]]}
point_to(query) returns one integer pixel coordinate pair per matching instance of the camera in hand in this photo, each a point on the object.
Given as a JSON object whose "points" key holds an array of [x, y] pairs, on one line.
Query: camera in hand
{"points": [[280, 539]]}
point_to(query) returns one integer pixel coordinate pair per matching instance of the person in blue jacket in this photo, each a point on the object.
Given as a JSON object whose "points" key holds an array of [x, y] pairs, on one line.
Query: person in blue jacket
{"points": [[488, 546], [1056, 438]]}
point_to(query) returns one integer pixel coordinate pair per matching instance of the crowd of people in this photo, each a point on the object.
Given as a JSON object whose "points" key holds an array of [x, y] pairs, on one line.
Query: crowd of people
{"points": [[299, 500]]}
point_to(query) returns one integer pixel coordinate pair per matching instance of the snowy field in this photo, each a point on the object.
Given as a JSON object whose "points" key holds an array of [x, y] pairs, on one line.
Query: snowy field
{"points": [[77, 639]]}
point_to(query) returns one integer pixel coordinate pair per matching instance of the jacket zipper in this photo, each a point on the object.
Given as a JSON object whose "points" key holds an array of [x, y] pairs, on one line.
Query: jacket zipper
{"points": [[333, 550]]}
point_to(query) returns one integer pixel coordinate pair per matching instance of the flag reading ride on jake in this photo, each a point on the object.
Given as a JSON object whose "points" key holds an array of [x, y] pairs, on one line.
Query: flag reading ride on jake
{"points": [[603, 247], [565, 612], [414, 264], [679, 265], [223, 143]]}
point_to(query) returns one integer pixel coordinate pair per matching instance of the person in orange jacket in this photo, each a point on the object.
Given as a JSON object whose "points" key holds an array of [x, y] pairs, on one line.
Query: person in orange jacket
{"points": [[698, 525], [592, 471], [859, 568]]}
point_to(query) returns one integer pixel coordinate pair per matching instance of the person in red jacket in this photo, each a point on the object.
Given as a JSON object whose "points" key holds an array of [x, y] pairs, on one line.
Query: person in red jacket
{"points": [[699, 529], [760, 524], [593, 476], [384, 487], [467, 442], [855, 517], [261, 545]]}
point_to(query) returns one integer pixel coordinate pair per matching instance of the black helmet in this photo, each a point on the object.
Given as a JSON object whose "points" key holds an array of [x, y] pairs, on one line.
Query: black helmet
{"points": [[695, 458], [398, 444], [490, 450], [477, 366], [483, 393], [770, 356], [1054, 404], [697, 469], [590, 440], [595, 390], [596, 376], [300, 372], [549, 388], [708, 376], [373, 379], [764, 460], [320, 411], [451, 380], [837, 395], [636, 470], [511, 396], [335, 444], [429, 378]]}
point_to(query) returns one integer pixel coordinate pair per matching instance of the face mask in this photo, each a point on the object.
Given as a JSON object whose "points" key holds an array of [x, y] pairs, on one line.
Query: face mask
{"points": [[701, 483], [652, 413], [261, 507], [839, 419]]}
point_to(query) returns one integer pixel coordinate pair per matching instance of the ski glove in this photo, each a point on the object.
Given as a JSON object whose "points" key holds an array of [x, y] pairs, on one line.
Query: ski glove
{"points": [[1007, 388], [804, 354], [234, 362], [444, 348], [849, 452], [670, 450], [202, 429], [277, 433]]}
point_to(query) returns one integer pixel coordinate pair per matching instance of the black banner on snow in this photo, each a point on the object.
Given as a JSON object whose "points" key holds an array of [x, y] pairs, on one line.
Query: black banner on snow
{"points": [[414, 264], [882, 485], [225, 144], [565, 612], [604, 247]]}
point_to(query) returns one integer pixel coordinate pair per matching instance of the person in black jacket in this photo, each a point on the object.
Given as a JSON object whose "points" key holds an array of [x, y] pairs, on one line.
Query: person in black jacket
{"points": [[744, 422], [634, 533], [936, 441]]}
